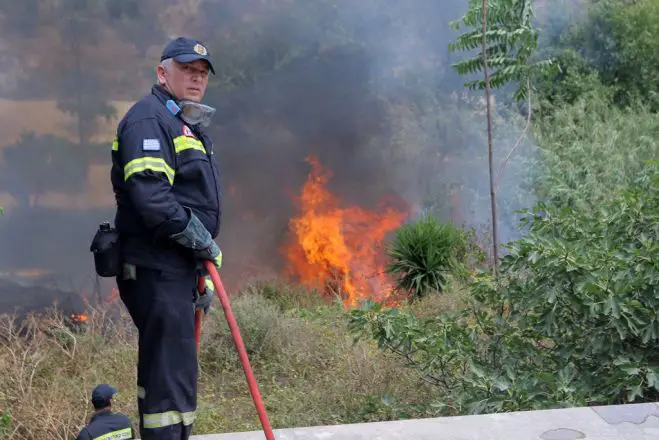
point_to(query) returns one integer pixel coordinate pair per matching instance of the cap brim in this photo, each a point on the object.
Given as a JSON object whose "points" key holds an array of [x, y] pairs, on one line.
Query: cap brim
{"points": [[188, 58]]}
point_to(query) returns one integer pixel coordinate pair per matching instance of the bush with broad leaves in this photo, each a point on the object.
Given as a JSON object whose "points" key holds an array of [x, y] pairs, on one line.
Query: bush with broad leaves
{"points": [[572, 319]]}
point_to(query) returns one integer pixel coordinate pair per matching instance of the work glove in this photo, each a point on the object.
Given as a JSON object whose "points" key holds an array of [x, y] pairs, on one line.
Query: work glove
{"points": [[195, 236], [216, 254], [203, 300], [216, 260]]}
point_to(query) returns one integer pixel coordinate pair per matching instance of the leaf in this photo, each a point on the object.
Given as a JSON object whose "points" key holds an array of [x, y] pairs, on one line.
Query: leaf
{"points": [[631, 371], [633, 392], [476, 370], [612, 307]]}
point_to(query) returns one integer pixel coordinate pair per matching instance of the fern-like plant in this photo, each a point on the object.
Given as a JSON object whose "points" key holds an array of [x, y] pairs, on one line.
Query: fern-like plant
{"points": [[423, 254], [511, 42]]}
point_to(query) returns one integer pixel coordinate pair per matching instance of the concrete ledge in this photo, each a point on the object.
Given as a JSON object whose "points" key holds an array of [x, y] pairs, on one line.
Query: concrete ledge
{"points": [[620, 422]]}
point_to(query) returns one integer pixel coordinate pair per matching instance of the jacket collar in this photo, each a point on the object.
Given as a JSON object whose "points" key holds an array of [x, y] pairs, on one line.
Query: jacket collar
{"points": [[161, 93], [101, 413], [163, 96]]}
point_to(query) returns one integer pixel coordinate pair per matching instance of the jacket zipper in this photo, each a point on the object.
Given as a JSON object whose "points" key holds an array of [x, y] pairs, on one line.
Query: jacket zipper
{"points": [[217, 186]]}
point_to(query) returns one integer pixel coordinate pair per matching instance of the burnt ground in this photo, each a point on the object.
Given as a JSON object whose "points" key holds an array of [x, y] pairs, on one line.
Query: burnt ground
{"points": [[20, 300]]}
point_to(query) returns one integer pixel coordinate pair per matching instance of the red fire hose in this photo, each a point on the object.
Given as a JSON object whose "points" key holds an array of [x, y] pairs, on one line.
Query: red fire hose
{"points": [[238, 340]]}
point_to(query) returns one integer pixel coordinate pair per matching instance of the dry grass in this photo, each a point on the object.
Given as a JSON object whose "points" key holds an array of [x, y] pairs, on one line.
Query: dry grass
{"points": [[308, 369], [49, 369]]}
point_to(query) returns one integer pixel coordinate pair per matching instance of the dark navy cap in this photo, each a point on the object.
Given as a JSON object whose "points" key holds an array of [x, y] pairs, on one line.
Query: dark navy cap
{"points": [[187, 50], [102, 394]]}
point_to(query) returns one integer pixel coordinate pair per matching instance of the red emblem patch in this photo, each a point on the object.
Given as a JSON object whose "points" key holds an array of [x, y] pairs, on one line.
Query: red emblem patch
{"points": [[188, 132]]}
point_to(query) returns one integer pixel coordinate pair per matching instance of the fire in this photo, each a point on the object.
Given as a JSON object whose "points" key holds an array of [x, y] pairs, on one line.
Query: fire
{"points": [[79, 318], [339, 248]]}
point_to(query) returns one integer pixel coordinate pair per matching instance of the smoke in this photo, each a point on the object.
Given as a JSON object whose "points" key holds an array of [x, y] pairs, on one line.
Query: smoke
{"points": [[366, 87]]}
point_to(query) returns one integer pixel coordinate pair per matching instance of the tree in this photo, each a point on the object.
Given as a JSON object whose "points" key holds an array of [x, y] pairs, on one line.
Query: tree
{"points": [[506, 30], [64, 49], [507, 39], [36, 164]]}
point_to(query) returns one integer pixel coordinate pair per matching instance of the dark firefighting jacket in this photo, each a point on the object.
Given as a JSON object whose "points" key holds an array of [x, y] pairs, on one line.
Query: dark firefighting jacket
{"points": [[159, 166], [107, 425]]}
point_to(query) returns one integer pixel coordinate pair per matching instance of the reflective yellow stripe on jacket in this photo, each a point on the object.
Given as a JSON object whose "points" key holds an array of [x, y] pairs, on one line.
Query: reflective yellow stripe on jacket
{"points": [[160, 420], [120, 434], [182, 143], [154, 164]]}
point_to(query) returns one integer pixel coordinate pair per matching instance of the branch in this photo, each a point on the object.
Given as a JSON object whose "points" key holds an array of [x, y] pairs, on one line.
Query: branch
{"points": [[426, 377], [521, 136]]}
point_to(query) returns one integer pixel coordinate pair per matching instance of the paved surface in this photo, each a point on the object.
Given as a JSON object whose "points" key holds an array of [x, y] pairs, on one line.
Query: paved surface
{"points": [[624, 422]]}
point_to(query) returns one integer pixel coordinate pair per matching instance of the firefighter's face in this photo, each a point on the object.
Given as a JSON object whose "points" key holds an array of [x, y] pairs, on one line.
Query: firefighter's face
{"points": [[185, 81]]}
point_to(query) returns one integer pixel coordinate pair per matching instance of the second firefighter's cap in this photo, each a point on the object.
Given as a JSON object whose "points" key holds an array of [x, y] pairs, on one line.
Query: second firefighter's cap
{"points": [[187, 50], [103, 393]]}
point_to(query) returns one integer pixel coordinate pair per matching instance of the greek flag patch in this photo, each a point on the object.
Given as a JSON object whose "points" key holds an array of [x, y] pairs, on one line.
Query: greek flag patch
{"points": [[151, 145]]}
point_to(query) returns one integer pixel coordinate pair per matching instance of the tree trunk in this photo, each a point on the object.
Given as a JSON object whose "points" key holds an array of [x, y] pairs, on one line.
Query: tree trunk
{"points": [[490, 153]]}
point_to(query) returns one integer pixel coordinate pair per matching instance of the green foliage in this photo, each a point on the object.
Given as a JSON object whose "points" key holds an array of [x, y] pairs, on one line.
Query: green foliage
{"points": [[511, 42], [571, 321], [589, 283], [576, 79], [5, 423], [636, 32], [592, 149], [424, 253], [613, 46]]}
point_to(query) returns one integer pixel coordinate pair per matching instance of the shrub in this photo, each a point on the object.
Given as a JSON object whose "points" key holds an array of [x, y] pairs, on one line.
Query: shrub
{"points": [[571, 321], [424, 253], [636, 32], [264, 330], [588, 283]]}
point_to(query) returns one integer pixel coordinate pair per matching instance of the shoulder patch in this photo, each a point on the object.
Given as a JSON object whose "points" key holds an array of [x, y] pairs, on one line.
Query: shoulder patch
{"points": [[188, 132], [151, 145]]}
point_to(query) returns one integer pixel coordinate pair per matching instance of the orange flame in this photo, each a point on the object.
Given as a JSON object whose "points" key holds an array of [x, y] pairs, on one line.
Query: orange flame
{"points": [[79, 318], [339, 248]]}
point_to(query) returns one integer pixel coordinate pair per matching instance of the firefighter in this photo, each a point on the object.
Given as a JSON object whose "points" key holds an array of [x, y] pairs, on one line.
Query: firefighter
{"points": [[167, 191], [105, 424]]}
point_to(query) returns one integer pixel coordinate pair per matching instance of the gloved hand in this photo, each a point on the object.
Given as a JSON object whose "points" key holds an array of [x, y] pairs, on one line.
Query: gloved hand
{"points": [[203, 300], [216, 260], [196, 237], [216, 253]]}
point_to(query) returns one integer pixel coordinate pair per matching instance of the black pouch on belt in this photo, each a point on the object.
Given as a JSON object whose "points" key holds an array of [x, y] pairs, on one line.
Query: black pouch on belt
{"points": [[105, 247]]}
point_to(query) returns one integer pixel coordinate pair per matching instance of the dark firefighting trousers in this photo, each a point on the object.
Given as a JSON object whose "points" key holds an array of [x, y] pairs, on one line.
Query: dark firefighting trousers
{"points": [[161, 306]]}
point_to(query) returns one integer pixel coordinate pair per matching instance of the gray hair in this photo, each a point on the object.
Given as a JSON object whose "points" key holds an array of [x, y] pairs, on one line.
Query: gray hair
{"points": [[167, 63]]}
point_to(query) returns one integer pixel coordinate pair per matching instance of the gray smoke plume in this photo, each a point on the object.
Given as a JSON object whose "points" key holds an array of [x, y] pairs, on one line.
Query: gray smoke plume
{"points": [[366, 87]]}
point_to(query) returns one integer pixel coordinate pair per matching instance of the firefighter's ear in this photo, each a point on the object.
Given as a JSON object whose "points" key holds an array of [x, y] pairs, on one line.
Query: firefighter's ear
{"points": [[161, 71]]}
